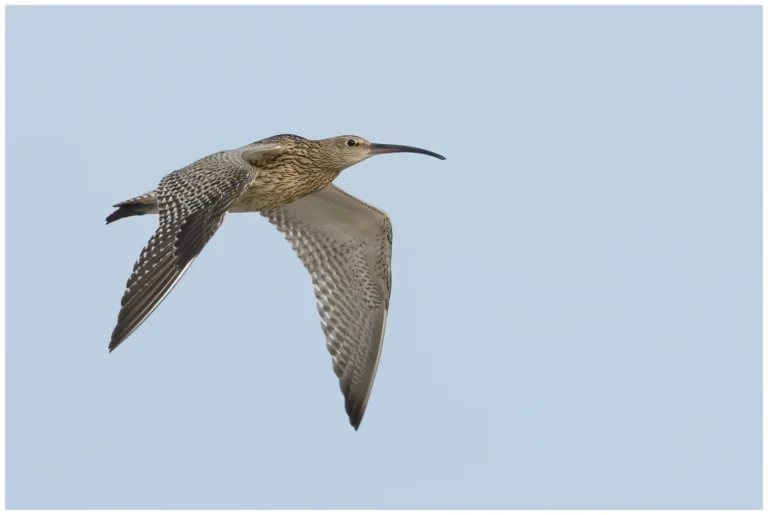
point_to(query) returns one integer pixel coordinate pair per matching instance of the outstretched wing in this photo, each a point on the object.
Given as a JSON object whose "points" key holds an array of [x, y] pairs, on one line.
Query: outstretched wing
{"points": [[346, 245], [192, 203]]}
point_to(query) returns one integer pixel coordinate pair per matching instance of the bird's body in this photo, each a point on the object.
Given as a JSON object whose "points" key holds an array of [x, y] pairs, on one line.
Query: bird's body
{"points": [[280, 178], [344, 243]]}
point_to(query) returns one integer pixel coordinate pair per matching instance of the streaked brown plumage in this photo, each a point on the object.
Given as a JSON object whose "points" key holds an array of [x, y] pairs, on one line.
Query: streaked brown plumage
{"points": [[344, 243]]}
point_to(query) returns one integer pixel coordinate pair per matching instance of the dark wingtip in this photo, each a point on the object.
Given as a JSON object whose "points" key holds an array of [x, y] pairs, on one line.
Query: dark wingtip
{"points": [[116, 339], [355, 416]]}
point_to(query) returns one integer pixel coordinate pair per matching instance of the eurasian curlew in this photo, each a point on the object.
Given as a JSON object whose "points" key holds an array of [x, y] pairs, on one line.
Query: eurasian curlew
{"points": [[344, 243]]}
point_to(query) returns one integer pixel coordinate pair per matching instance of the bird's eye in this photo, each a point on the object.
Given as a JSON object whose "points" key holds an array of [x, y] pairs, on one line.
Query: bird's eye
{"points": [[351, 143]]}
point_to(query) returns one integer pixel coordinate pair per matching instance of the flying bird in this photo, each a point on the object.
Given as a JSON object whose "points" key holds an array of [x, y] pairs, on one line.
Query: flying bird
{"points": [[344, 243]]}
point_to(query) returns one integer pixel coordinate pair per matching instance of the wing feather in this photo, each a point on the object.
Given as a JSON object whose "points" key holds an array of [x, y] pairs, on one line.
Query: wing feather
{"points": [[192, 204], [346, 246]]}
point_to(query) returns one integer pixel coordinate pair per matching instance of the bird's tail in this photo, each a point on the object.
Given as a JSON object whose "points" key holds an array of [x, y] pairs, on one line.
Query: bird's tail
{"points": [[141, 205], [124, 212]]}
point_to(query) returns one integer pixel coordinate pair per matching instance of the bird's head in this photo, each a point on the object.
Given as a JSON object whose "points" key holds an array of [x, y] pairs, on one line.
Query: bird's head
{"points": [[350, 150]]}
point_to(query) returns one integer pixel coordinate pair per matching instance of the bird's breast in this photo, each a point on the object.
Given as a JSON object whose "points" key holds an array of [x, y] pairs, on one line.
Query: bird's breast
{"points": [[280, 185]]}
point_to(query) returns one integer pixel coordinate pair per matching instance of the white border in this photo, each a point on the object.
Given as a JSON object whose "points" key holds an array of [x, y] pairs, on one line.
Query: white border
{"points": [[352, 2], [383, 2]]}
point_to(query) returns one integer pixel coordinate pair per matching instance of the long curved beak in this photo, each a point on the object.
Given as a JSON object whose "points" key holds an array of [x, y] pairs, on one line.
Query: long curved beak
{"points": [[378, 148]]}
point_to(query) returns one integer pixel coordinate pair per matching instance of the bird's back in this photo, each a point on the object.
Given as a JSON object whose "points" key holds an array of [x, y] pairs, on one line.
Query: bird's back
{"points": [[286, 176]]}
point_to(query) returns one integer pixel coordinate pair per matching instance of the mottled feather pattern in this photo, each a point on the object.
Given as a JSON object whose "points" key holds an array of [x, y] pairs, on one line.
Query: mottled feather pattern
{"points": [[192, 203], [344, 243], [346, 247], [288, 176], [146, 198]]}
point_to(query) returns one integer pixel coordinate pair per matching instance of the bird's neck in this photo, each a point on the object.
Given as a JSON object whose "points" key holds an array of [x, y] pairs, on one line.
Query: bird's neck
{"points": [[327, 163]]}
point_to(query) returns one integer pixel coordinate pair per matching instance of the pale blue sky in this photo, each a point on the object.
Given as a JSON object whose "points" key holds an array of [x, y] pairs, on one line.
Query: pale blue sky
{"points": [[576, 306]]}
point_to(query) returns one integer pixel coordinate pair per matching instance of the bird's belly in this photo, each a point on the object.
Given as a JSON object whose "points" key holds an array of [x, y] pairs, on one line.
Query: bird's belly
{"points": [[270, 190]]}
